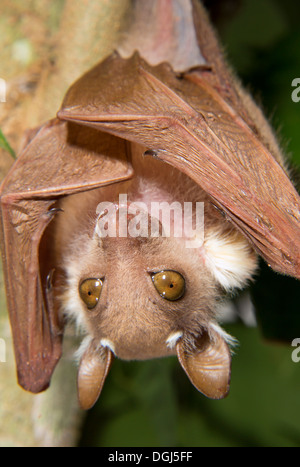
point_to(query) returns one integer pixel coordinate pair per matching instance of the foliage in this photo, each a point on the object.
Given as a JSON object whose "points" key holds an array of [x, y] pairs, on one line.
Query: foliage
{"points": [[4, 144]]}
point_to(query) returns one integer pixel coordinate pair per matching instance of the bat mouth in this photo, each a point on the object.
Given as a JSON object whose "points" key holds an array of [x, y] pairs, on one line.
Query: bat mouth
{"points": [[137, 348]]}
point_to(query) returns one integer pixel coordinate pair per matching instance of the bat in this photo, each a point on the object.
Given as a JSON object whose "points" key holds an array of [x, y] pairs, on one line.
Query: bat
{"points": [[80, 240]]}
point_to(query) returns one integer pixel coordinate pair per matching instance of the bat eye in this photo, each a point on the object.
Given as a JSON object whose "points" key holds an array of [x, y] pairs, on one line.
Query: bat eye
{"points": [[169, 284], [89, 291]]}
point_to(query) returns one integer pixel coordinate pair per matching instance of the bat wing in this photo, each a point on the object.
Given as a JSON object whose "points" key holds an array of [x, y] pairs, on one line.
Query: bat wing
{"points": [[61, 159], [186, 120]]}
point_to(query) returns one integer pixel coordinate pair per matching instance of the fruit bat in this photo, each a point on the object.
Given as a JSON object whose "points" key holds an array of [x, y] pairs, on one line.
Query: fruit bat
{"points": [[76, 219]]}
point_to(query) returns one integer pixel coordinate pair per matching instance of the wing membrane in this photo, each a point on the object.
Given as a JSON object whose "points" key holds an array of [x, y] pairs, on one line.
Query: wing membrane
{"points": [[190, 126], [61, 159]]}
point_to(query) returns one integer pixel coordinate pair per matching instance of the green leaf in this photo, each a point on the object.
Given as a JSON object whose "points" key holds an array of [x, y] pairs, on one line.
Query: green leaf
{"points": [[5, 145]]}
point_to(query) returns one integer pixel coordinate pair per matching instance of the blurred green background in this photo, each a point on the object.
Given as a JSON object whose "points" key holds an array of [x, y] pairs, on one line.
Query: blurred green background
{"points": [[153, 403]]}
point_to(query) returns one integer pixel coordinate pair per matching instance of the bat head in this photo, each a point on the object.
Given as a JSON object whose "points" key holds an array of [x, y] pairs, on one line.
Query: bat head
{"points": [[143, 297]]}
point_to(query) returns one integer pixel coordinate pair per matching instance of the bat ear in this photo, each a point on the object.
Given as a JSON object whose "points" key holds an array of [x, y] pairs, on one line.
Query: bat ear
{"points": [[93, 370], [207, 364]]}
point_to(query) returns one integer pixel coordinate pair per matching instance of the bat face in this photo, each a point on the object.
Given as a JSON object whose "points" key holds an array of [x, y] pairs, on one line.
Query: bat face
{"points": [[143, 294]]}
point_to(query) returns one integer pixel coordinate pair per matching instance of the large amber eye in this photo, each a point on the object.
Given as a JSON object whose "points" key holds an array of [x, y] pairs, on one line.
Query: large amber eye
{"points": [[169, 284], [89, 291]]}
